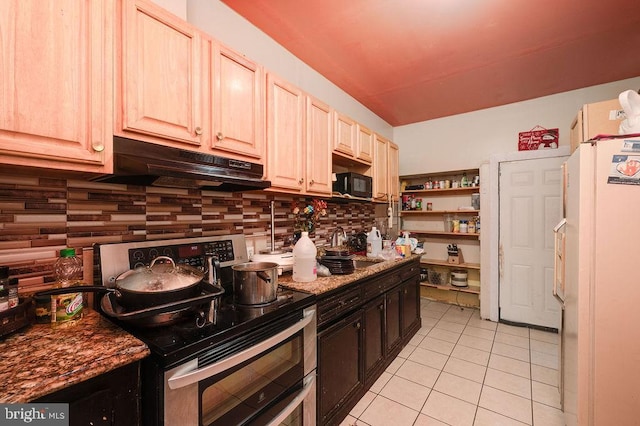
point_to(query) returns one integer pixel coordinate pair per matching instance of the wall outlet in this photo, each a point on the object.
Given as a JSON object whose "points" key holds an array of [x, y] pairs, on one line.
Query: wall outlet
{"points": [[250, 252]]}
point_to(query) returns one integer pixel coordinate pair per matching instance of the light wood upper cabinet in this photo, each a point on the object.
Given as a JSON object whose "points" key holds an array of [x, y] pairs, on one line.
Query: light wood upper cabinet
{"points": [[345, 135], [381, 162], [385, 169], [238, 99], [285, 112], [364, 144], [56, 62], [393, 170], [318, 136], [163, 77]]}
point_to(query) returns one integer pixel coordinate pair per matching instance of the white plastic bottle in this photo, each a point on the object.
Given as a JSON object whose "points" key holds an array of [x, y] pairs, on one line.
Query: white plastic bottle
{"points": [[374, 243], [304, 260]]}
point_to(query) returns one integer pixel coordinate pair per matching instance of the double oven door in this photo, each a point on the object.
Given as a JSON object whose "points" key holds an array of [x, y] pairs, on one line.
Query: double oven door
{"points": [[269, 380]]}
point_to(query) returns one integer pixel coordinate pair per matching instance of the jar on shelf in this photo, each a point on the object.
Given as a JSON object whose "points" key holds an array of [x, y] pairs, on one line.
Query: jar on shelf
{"points": [[464, 227], [464, 182]]}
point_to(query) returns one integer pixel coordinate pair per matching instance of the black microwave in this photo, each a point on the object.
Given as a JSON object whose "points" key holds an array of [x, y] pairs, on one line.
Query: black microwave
{"points": [[354, 184]]}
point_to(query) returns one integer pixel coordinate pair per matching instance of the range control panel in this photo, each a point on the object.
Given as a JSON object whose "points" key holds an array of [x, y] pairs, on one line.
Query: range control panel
{"points": [[187, 254]]}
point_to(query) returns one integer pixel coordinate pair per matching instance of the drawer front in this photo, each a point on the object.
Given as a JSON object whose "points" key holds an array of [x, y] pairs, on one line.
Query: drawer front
{"points": [[375, 287], [410, 272], [337, 305]]}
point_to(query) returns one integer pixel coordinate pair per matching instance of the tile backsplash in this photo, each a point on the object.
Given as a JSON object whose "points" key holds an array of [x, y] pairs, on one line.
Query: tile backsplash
{"points": [[41, 215]]}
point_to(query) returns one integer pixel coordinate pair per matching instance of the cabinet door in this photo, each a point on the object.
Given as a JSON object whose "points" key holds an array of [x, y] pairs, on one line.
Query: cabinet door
{"points": [[339, 365], [374, 320], [56, 61], [410, 293], [238, 98], [285, 109], [392, 170], [112, 398], [345, 135], [164, 78], [393, 318], [380, 174], [364, 144], [318, 137]]}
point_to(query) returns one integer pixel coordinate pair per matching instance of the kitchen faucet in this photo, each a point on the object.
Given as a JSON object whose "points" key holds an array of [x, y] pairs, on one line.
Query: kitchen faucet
{"points": [[338, 237]]}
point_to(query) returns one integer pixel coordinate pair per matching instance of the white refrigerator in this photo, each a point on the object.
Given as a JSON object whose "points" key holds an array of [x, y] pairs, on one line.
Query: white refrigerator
{"points": [[597, 280]]}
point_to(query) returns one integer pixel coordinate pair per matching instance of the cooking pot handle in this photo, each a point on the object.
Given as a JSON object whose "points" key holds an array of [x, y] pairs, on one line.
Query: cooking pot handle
{"points": [[77, 289], [263, 276], [153, 262]]}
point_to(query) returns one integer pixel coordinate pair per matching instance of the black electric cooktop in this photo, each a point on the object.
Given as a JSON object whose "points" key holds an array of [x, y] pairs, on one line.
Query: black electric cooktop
{"points": [[235, 326]]}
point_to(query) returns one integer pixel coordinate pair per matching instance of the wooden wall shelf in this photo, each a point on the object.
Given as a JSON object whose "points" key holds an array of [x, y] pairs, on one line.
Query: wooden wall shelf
{"points": [[448, 287], [437, 262], [446, 191], [444, 234], [438, 212]]}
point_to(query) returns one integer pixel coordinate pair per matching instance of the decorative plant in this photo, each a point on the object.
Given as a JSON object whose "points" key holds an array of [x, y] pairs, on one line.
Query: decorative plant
{"points": [[308, 217]]}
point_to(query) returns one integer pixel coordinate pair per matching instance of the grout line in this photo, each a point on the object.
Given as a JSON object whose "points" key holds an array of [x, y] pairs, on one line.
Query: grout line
{"points": [[454, 308]]}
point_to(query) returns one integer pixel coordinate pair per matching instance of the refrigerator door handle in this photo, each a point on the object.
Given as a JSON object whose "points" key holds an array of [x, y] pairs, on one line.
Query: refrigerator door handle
{"points": [[558, 259]]}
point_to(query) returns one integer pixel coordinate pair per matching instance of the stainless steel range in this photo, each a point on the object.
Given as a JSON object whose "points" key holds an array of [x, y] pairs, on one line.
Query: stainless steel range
{"points": [[219, 363]]}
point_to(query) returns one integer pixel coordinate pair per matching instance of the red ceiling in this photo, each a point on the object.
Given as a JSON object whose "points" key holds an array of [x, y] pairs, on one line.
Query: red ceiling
{"points": [[416, 60]]}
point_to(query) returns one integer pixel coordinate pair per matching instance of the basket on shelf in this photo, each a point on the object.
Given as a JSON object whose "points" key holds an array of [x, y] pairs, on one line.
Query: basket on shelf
{"points": [[16, 318], [437, 277]]}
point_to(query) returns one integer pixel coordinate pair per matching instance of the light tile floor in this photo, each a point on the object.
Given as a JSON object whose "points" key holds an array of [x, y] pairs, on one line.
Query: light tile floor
{"points": [[462, 370]]}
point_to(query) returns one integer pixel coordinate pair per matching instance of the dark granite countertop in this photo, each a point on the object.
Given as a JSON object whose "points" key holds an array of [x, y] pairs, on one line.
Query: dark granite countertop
{"points": [[325, 284], [40, 360]]}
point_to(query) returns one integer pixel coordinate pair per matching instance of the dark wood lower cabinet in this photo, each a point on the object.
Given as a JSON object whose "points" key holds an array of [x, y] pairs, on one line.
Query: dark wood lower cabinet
{"points": [[394, 319], [339, 364], [410, 295], [361, 329], [112, 398], [374, 336]]}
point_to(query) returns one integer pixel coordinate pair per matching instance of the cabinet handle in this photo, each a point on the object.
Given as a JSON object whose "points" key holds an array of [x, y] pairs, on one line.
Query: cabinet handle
{"points": [[198, 131], [301, 180], [312, 182], [219, 136], [97, 146], [381, 306], [357, 325]]}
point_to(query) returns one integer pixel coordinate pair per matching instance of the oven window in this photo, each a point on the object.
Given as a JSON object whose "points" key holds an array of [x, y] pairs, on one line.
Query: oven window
{"points": [[241, 394]]}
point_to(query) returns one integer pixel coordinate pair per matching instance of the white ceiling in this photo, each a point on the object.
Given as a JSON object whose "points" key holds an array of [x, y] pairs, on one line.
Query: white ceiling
{"points": [[416, 60]]}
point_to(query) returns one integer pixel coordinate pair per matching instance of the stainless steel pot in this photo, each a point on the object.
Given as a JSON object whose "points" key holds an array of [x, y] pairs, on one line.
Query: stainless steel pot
{"points": [[255, 283]]}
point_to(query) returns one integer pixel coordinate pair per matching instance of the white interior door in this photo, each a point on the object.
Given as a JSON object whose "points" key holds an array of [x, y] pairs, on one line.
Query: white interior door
{"points": [[530, 206]]}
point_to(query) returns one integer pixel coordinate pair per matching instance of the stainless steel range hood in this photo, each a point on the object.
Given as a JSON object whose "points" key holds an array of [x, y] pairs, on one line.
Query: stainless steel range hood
{"points": [[147, 164]]}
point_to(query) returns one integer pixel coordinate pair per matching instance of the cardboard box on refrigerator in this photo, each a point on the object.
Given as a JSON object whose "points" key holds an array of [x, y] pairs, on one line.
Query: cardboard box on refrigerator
{"points": [[599, 118]]}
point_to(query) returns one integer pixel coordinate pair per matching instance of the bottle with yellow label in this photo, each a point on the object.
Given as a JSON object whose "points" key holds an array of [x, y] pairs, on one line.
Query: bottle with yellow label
{"points": [[66, 309]]}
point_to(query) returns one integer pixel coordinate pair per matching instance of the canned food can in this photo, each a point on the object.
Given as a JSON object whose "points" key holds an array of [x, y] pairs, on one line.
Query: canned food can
{"points": [[447, 184], [429, 206]]}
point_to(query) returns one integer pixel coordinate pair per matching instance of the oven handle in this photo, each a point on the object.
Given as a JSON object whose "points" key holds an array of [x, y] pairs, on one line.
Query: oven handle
{"points": [[186, 377], [295, 403]]}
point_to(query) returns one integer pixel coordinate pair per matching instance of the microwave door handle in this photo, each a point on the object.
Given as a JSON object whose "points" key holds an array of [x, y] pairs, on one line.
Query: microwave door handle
{"points": [[295, 403], [187, 376]]}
